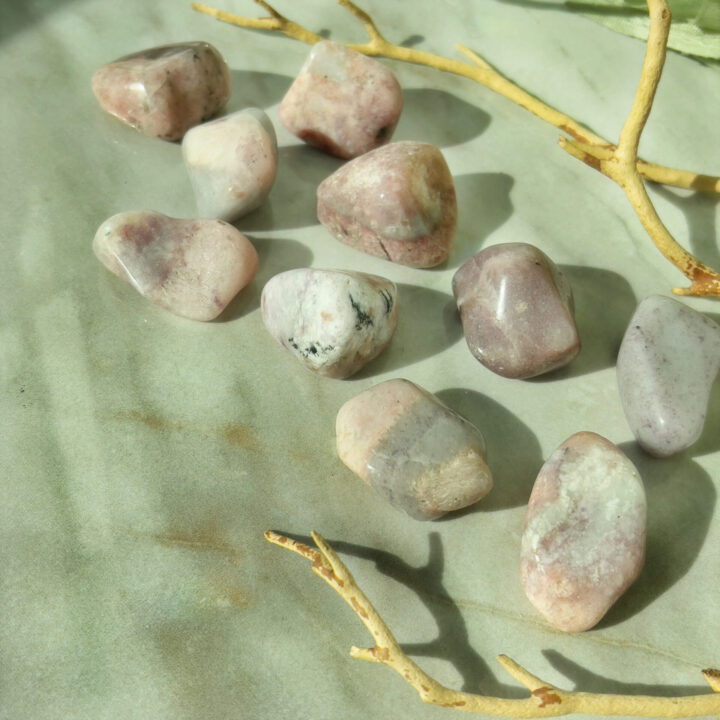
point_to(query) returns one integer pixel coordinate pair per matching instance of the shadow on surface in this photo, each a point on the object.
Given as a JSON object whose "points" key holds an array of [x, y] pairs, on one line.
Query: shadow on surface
{"points": [[681, 502], [709, 441], [513, 451], [16, 16], [251, 88]]}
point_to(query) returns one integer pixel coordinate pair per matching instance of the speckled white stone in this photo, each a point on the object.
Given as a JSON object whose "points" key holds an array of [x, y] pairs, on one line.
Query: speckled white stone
{"points": [[584, 538], [232, 163], [333, 321], [666, 367]]}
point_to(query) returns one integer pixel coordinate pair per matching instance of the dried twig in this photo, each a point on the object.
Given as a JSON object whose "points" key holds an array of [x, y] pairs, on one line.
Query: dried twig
{"points": [[544, 700], [619, 162]]}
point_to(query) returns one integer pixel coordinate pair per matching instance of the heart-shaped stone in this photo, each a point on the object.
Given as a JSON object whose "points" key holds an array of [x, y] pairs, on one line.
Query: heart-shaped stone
{"points": [[164, 90], [231, 162], [193, 268], [396, 202]]}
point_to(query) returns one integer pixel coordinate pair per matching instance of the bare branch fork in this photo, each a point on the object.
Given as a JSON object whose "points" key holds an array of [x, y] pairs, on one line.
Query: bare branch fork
{"points": [[544, 700], [618, 162]]}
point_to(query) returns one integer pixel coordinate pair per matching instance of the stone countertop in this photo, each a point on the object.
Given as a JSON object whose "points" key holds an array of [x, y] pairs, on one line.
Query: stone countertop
{"points": [[143, 455]]}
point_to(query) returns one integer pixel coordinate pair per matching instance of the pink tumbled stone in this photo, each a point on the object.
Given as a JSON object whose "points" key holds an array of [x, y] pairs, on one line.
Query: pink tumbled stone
{"points": [[193, 268], [342, 102], [165, 90], [396, 202], [584, 539]]}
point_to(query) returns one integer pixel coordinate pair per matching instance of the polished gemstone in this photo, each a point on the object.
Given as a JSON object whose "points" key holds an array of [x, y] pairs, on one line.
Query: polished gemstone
{"points": [[516, 309], [416, 452], [584, 537], [164, 90], [342, 101], [193, 268], [668, 361], [396, 202]]}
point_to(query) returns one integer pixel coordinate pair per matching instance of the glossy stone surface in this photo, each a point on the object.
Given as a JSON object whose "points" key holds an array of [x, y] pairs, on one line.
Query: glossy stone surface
{"points": [[164, 90], [516, 309], [396, 202], [232, 163], [584, 538], [333, 321], [342, 102], [416, 452], [668, 361], [193, 268]]}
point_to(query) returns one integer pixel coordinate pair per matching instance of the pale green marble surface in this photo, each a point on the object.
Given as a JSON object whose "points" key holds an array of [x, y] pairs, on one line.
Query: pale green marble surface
{"points": [[143, 455]]}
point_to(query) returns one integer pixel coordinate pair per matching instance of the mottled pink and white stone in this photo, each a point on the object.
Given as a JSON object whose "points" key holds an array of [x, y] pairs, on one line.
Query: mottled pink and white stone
{"points": [[332, 321], [164, 90], [232, 163], [342, 102], [584, 539], [193, 268], [416, 452], [516, 310], [396, 202]]}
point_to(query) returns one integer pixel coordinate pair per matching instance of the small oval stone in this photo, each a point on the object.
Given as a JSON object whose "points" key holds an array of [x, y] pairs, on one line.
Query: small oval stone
{"points": [[232, 163], [516, 310], [396, 202], [668, 361], [193, 268], [332, 321], [417, 453], [164, 90], [584, 539], [342, 102]]}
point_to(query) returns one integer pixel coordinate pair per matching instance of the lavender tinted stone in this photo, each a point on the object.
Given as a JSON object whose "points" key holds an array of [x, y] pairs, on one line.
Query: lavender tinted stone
{"points": [[342, 101], [396, 202], [584, 538], [516, 310], [666, 367], [165, 90]]}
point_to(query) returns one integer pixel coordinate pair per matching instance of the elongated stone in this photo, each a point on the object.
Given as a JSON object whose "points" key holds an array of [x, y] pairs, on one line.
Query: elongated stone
{"points": [[232, 163], [396, 202], [516, 310], [416, 452], [584, 539], [164, 90], [342, 102], [193, 268], [332, 321], [668, 361]]}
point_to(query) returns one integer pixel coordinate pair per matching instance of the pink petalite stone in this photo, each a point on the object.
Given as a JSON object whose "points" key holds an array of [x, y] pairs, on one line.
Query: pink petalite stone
{"points": [[342, 102], [193, 268], [396, 202], [584, 539], [165, 90], [516, 309]]}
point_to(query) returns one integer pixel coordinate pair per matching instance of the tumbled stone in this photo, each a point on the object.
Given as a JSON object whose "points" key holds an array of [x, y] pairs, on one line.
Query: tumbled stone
{"points": [[584, 538], [193, 268], [231, 163], [516, 310], [666, 367], [333, 321], [416, 452], [164, 90], [396, 202], [342, 102]]}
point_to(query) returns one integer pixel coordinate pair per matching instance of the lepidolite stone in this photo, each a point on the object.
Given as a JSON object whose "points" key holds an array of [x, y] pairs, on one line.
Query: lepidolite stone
{"points": [[333, 321], [584, 537], [396, 202], [342, 102], [666, 367], [231, 163], [516, 309], [193, 268], [165, 90], [416, 452]]}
